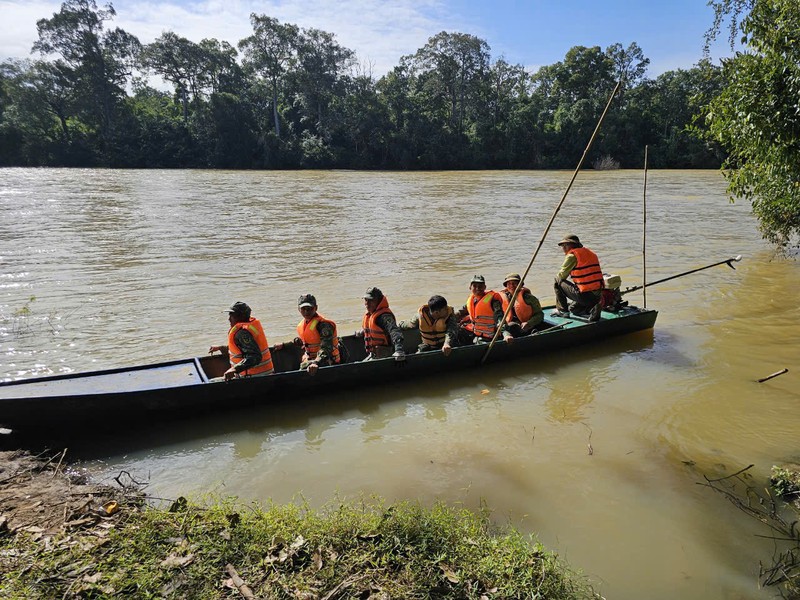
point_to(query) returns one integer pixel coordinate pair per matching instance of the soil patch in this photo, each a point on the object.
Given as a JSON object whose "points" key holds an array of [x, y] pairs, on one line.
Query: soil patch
{"points": [[40, 495]]}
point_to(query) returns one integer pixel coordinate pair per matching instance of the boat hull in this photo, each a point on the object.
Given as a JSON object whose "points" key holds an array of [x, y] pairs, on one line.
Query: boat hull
{"points": [[116, 398]]}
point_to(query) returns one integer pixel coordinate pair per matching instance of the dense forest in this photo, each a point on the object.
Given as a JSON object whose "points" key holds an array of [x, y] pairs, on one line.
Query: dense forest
{"points": [[289, 97]]}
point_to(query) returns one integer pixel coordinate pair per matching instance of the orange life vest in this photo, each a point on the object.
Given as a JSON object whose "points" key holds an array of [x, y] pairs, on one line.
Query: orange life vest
{"points": [[374, 335], [235, 354], [522, 311], [586, 274], [481, 314], [308, 332], [433, 332]]}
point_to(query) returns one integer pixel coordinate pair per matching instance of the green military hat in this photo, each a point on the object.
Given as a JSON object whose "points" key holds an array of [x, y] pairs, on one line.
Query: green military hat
{"points": [[571, 239]]}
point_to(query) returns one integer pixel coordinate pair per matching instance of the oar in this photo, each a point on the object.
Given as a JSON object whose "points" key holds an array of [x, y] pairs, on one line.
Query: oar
{"points": [[553, 218], [728, 262]]}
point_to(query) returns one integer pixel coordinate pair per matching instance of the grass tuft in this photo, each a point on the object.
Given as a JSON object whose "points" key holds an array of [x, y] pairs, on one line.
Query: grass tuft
{"points": [[346, 550]]}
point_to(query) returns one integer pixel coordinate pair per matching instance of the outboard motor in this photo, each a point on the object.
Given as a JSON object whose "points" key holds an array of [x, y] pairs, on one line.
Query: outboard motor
{"points": [[611, 298]]}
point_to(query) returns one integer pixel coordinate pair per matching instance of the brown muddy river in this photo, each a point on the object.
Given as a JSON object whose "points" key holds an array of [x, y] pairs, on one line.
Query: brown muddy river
{"points": [[104, 268]]}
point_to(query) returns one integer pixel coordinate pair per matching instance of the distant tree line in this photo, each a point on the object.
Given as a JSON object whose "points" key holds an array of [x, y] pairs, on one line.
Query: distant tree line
{"points": [[290, 97]]}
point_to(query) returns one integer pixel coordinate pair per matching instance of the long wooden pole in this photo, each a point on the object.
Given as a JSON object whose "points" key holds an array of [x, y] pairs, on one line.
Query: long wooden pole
{"points": [[644, 233], [728, 261], [552, 218]]}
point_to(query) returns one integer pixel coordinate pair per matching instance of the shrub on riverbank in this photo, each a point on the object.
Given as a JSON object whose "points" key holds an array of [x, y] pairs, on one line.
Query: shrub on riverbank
{"points": [[227, 550]]}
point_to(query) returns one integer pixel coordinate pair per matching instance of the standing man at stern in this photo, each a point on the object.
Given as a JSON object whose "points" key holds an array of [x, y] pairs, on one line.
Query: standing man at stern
{"points": [[247, 347], [379, 328], [583, 267]]}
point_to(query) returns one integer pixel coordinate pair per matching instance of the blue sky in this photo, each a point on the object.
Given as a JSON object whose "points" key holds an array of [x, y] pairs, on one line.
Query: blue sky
{"points": [[532, 33]]}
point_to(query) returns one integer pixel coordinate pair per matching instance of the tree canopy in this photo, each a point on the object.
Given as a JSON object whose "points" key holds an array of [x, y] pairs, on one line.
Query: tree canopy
{"points": [[291, 97], [756, 117]]}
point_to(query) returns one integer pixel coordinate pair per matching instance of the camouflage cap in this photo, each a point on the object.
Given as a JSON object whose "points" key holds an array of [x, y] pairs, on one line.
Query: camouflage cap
{"points": [[239, 309], [478, 279], [306, 300], [373, 293]]}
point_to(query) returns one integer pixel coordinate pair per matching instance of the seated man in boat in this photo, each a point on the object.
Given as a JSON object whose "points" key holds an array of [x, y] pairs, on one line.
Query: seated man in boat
{"points": [[317, 335], [382, 336], [526, 314], [438, 326], [482, 314], [583, 267], [247, 347]]}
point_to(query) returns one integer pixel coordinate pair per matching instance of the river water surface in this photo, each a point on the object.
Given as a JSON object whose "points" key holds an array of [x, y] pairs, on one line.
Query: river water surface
{"points": [[104, 268]]}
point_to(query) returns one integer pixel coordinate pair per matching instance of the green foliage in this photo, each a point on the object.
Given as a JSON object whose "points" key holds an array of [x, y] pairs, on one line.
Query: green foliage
{"points": [[291, 551], [300, 99], [756, 117], [786, 482]]}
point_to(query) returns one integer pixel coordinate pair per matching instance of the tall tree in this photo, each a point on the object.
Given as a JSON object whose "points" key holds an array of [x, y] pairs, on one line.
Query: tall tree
{"points": [[757, 115], [451, 67], [269, 52], [630, 64], [576, 90], [101, 61], [221, 71], [178, 61], [321, 73]]}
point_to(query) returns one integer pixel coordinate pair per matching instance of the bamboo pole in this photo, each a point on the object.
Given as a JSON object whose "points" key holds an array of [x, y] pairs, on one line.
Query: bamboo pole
{"points": [[552, 218], [644, 233]]}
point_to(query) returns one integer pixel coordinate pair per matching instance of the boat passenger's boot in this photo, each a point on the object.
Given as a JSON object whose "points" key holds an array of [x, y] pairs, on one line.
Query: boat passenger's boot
{"points": [[594, 314]]}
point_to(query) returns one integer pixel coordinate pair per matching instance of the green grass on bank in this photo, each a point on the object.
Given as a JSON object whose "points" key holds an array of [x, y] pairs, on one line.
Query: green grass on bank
{"points": [[343, 551]]}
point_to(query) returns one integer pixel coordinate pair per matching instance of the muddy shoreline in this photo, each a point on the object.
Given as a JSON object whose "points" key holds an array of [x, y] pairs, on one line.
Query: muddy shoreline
{"points": [[44, 496]]}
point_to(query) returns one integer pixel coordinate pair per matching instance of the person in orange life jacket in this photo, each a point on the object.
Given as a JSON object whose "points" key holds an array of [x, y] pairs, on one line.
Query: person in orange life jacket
{"points": [[583, 267], [317, 335], [379, 328], [438, 326], [482, 315], [247, 345], [526, 314]]}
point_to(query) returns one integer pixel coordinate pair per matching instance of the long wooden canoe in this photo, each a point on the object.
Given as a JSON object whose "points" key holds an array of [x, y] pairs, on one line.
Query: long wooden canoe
{"points": [[115, 397]]}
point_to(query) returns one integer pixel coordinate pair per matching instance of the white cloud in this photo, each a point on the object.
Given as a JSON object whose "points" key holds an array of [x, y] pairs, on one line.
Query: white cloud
{"points": [[19, 25], [379, 32]]}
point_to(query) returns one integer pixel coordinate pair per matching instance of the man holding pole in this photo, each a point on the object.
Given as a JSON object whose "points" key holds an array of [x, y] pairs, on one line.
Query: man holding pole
{"points": [[526, 314], [583, 267], [483, 314]]}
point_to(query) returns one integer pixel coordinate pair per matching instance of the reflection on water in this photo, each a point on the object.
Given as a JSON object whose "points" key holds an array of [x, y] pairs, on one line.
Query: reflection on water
{"points": [[129, 267]]}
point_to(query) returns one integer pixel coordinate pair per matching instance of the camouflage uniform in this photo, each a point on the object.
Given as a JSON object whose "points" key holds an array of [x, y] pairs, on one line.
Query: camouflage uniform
{"points": [[250, 350], [467, 337], [325, 355], [388, 323], [515, 327], [450, 337]]}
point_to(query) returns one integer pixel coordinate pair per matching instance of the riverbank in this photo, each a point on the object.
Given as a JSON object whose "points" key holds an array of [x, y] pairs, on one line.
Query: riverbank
{"points": [[62, 536]]}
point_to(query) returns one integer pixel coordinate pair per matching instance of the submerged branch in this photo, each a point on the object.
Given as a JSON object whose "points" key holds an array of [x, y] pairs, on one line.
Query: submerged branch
{"points": [[785, 568]]}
